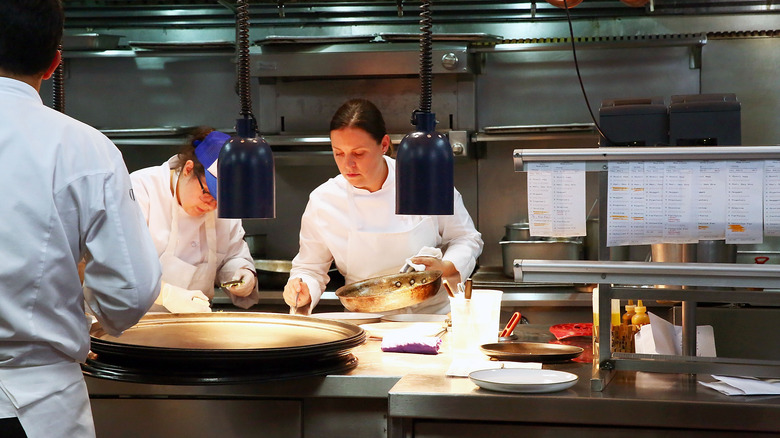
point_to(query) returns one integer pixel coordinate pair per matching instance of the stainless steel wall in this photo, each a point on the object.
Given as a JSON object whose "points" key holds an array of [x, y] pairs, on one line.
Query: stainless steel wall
{"points": [[126, 89]]}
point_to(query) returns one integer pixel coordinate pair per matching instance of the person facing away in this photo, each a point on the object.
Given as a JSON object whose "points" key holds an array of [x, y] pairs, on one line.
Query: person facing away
{"points": [[67, 197], [196, 249], [351, 219]]}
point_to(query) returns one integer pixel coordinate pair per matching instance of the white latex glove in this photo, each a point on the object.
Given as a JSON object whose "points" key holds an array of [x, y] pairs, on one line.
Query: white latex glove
{"points": [[179, 300], [425, 251], [247, 285]]}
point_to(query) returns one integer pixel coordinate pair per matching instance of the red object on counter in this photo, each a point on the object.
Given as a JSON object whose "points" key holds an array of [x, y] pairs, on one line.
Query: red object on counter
{"points": [[586, 343], [761, 260], [563, 331], [510, 326]]}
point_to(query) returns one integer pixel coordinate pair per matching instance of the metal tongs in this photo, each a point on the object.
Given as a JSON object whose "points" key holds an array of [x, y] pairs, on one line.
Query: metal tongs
{"points": [[228, 284]]}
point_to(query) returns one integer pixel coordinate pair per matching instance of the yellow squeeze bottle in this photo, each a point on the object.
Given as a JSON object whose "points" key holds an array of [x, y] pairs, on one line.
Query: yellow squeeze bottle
{"points": [[629, 313], [640, 317]]}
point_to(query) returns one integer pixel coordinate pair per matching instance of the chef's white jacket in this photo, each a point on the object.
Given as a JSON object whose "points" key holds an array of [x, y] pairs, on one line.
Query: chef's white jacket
{"points": [[152, 188], [66, 194], [332, 212]]}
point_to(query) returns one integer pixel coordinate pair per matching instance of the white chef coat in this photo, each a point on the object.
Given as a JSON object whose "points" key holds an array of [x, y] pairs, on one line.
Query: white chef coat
{"points": [[67, 194], [182, 241], [339, 217]]}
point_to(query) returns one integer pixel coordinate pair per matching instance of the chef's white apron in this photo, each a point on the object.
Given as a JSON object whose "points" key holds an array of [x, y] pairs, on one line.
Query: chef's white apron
{"points": [[180, 273], [371, 254], [51, 401]]}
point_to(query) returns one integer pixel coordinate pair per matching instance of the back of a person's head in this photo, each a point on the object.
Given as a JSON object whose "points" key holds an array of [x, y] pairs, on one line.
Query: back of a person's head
{"points": [[360, 113], [30, 32]]}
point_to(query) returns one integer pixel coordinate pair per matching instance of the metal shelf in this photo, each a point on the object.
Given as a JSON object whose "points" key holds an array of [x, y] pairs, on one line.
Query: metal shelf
{"points": [[712, 282]]}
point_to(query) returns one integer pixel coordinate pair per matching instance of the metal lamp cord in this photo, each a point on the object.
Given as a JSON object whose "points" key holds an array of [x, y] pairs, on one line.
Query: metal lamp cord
{"points": [[242, 38], [426, 57], [58, 85], [579, 76]]}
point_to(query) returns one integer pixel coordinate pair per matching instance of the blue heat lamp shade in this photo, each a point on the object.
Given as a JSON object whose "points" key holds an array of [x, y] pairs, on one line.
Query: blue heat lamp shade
{"points": [[246, 185], [424, 171]]}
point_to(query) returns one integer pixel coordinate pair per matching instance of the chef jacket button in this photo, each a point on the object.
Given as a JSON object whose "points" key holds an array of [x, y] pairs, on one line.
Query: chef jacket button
{"points": [[194, 244]]}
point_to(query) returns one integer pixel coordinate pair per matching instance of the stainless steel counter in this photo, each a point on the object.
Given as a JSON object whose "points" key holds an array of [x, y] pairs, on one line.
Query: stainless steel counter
{"points": [[397, 394], [641, 404]]}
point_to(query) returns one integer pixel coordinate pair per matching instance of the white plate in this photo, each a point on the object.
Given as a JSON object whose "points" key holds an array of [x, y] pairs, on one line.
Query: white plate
{"points": [[350, 317], [523, 380], [382, 329], [414, 317]]}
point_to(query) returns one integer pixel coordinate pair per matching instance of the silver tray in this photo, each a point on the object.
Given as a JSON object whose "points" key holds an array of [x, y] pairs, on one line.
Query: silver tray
{"points": [[217, 348], [233, 334]]}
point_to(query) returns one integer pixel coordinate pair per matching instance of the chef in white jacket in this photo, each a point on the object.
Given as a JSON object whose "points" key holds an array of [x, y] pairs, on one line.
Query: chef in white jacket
{"points": [[196, 249], [67, 196], [351, 219]]}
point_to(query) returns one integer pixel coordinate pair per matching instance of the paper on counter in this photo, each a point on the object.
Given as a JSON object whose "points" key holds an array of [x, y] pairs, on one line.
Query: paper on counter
{"points": [[744, 385], [662, 337], [462, 366]]}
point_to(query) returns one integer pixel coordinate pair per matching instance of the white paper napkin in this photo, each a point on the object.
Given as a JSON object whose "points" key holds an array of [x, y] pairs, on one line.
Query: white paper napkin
{"points": [[662, 337], [731, 385], [461, 367]]}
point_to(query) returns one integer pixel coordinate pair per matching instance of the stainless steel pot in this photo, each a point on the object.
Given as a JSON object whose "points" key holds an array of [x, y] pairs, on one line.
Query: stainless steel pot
{"points": [[517, 231], [272, 274], [389, 292]]}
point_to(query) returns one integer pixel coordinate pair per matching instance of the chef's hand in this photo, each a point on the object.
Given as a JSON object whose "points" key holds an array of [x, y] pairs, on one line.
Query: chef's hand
{"points": [[179, 300], [448, 270], [296, 287], [247, 283]]}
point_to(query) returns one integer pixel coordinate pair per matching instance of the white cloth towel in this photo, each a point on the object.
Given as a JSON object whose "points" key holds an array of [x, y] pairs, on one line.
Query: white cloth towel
{"points": [[731, 385], [426, 251]]}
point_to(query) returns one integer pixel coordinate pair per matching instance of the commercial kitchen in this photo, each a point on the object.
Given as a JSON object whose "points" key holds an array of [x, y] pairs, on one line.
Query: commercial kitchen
{"points": [[505, 90]]}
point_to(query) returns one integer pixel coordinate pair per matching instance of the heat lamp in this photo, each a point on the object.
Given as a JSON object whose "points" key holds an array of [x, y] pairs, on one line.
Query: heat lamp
{"points": [[424, 162], [246, 183]]}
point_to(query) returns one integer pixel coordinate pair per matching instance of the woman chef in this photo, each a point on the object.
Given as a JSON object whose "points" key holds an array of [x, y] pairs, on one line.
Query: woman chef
{"points": [[196, 249], [351, 219]]}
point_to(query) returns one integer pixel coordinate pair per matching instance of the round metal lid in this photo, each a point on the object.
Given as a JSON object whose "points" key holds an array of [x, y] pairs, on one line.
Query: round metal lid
{"points": [[223, 347]]}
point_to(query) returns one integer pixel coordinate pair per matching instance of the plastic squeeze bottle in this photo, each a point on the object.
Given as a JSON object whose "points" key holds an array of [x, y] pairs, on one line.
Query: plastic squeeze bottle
{"points": [[640, 317], [629, 313]]}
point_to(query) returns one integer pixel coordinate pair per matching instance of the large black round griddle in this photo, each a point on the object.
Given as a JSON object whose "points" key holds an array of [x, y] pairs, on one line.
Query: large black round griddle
{"points": [[223, 348]]}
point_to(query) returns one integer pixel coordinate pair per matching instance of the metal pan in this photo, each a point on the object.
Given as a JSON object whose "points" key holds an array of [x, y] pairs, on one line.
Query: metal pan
{"points": [[216, 342], [531, 351], [389, 292]]}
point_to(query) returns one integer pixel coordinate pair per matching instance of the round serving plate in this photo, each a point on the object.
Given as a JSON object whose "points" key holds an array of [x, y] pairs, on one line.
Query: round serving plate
{"points": [[523, 380]]}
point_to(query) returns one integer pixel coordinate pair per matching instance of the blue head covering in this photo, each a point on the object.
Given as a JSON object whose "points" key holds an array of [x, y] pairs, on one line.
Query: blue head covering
{"points": [[207, 152]]}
